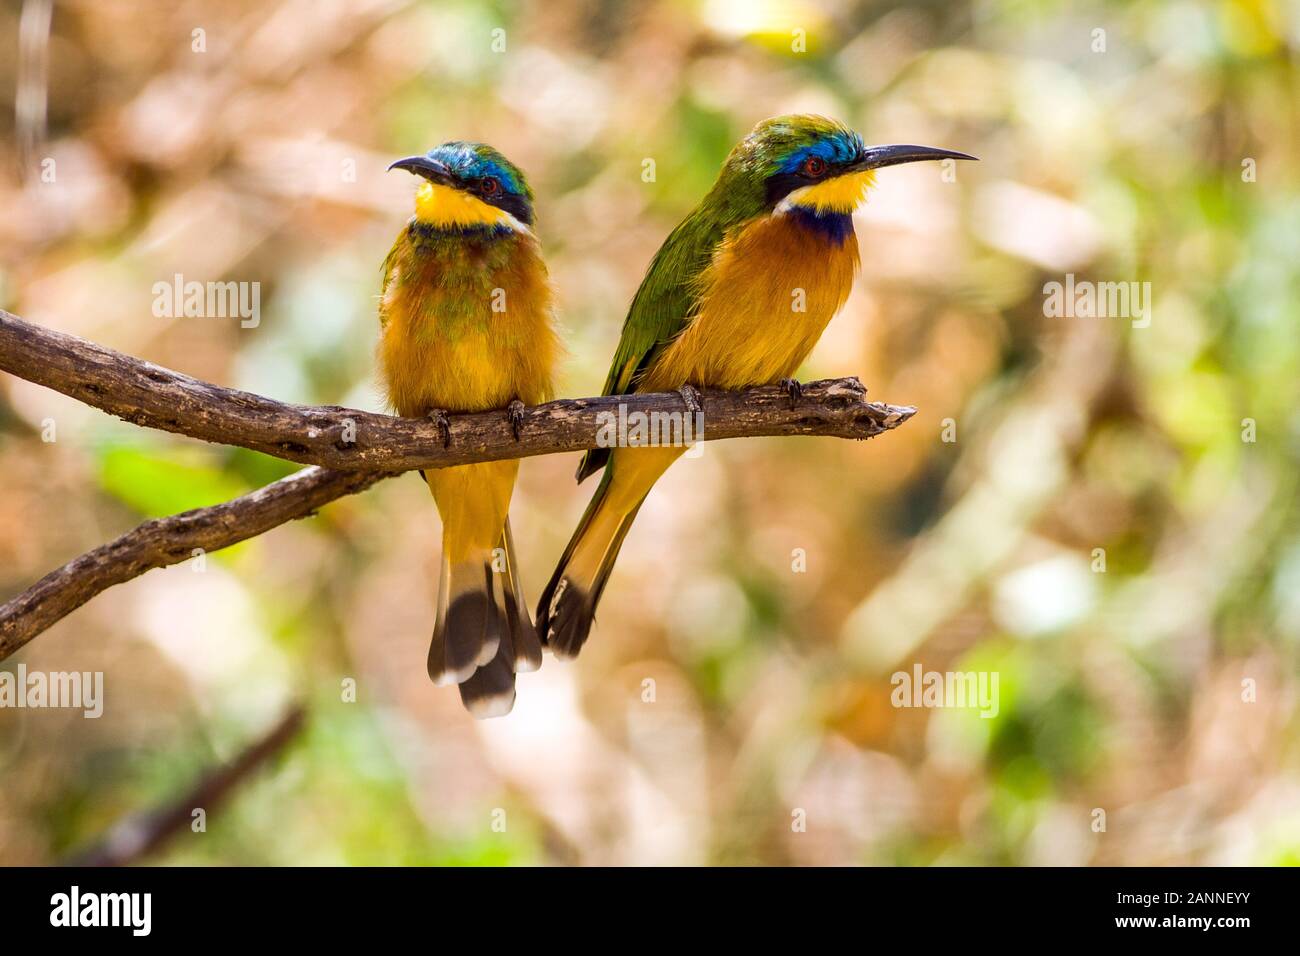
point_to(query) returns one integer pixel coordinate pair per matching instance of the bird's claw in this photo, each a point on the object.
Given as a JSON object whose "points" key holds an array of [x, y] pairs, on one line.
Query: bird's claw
{"points": [[691, 397], [439, 417], [793, 389], [515, 412]]}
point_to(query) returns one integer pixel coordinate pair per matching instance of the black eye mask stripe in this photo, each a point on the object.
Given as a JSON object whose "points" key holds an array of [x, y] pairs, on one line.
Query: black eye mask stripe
{"points": [[781, 185], [514, 204]]}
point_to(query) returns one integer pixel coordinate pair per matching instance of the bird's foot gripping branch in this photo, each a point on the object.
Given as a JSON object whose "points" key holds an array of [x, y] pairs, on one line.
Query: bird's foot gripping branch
{"points": [[349, 450]]}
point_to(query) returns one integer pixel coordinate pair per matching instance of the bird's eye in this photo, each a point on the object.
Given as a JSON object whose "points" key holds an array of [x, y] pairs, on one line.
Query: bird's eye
{"points": [[489, 186], [814, 166]]}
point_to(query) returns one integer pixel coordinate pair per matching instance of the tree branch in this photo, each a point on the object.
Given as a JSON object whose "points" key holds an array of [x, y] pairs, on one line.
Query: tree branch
{"points": [[149, 395], [164, 541], [349, 449], [139, 835]]}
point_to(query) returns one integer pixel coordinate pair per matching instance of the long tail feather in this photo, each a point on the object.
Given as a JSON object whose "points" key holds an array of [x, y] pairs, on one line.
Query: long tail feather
{"points": [[490, 690], [467, 631], [482, 634], [525, 644], [567, 608], [481, 608]]}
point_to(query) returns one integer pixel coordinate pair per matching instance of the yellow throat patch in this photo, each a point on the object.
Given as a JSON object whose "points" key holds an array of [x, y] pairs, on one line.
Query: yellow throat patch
{"points": [[443, 206], [841, 194]]}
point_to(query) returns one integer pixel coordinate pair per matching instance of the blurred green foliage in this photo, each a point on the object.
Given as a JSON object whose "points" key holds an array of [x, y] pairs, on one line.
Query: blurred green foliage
{"points": [[1158, 690]]}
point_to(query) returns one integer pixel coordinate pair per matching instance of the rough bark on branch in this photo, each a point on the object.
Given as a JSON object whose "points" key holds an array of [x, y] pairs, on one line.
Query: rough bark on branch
{"points": [[349, 449], [152, 396]]}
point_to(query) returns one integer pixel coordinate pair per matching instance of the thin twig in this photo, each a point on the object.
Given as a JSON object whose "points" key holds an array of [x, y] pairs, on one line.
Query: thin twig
{"points": [[139, 835], [165, 541]]}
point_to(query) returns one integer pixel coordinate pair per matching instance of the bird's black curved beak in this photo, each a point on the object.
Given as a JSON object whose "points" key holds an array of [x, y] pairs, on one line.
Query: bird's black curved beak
{"points": [[874, 157], [430, 169]]}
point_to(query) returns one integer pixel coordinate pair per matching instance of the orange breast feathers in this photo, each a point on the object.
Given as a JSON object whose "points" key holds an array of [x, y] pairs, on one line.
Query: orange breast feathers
{"points": [[769, 294], [468, 325]]}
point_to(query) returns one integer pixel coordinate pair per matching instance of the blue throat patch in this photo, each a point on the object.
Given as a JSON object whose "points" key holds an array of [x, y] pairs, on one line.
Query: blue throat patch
{"points": [[835, 226]]}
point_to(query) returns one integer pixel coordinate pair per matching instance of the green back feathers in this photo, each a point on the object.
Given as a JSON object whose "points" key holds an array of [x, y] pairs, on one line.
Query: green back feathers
{"points": [[669, 295]]}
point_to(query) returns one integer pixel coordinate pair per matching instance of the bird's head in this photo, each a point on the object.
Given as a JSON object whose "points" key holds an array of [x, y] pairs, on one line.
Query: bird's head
{"points": [[469, 186], [815, 163]]}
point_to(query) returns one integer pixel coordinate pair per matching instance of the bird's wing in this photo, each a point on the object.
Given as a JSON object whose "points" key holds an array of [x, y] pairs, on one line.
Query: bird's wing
{"points": [[666, 302], [390, 264], [669, 297]]}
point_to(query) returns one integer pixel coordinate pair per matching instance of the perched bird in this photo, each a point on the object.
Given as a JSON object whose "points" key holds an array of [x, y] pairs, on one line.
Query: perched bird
{"points": [[467, 325], [737, 296]]}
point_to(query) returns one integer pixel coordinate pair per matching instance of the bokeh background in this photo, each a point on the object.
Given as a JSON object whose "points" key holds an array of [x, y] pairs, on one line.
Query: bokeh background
{"points": [[1154, 680]]}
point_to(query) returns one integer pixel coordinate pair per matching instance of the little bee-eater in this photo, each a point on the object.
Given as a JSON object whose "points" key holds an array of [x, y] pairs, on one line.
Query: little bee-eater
{"points": [[737, 296], [467, 325]]}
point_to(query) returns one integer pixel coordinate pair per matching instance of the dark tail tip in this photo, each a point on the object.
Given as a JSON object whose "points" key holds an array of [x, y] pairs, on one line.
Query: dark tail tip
{"points": [[524, 640], [569, 623], [594, 460], [471, 623], [490, 691]]}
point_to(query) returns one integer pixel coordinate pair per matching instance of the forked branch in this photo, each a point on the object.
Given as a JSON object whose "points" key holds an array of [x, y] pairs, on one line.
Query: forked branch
{"points": [[353, 449]]}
